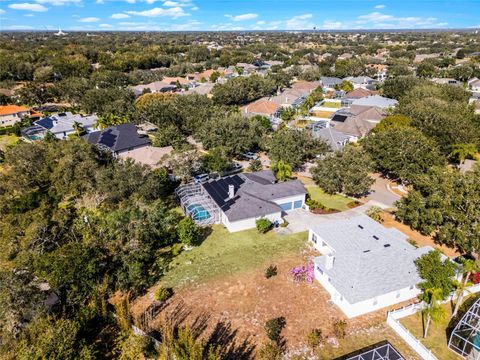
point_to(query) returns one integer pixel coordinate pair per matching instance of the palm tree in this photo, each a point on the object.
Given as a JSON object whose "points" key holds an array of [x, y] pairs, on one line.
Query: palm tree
{"points": [[104, 121], [468, 267], [463, 151], [78, 128], [282, 171], [433, 311]]}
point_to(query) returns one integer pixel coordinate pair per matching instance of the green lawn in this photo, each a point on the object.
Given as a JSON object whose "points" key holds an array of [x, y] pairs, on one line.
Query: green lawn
{"points": [[337, 202], [436, 340], [7, 140], [224, 253]]}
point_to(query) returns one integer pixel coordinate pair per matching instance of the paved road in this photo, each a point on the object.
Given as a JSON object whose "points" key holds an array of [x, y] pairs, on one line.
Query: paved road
{"points": [[381, 194]]}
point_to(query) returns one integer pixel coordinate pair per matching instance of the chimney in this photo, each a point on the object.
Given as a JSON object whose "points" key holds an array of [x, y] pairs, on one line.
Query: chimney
{"points": [[330, 259], [231, 191]]}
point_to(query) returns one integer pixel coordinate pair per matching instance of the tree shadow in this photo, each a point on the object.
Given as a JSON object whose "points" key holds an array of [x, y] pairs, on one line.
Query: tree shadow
{"points": [[224, 338]]}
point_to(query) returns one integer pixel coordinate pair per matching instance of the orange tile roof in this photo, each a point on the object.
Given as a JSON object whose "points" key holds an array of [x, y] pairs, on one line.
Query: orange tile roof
{"points": [[11, 109], [261, 106]]}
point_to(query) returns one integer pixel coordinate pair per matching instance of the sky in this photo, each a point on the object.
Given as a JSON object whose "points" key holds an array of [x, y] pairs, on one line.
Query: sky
{"points": [[215, 15]]}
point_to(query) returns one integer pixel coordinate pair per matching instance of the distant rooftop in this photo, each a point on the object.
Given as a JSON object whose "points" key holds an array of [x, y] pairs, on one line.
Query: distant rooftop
{"points": [[376, 100]]}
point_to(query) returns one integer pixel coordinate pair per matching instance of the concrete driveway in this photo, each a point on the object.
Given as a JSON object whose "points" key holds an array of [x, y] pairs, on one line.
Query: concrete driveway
{"points": [[301, 220]]}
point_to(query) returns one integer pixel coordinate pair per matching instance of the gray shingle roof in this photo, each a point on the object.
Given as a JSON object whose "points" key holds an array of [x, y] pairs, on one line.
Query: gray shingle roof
{"points": [[330, 81], [254, 194], [335, 139], [370, 260], [63, 122], [376, 100], [118, 138]]}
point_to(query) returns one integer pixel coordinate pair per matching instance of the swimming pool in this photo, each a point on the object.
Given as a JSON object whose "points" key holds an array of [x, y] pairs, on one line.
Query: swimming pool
{"points": [[198, 212]]}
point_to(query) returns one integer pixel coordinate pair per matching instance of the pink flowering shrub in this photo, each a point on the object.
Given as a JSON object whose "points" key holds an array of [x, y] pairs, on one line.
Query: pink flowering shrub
{"points": [[303, 273]]}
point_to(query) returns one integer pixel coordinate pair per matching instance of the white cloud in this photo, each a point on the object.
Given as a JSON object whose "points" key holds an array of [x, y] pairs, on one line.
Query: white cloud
{"points": [[333, 25], [261, 22], [377, 20], [58, 2], [242, 17], [2, 12], [29, 15], [188, 26], [89, 19], [28, 7], [299, 22], [380, 6], [374, 17], [19, 27], [174, 12], [105, 26], [99, 2], [172, 3], [119, 16], [195, 8]]}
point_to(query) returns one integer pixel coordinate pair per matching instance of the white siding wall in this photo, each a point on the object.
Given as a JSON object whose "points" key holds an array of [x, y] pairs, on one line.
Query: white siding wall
{"points": [[11, 119], [319, 244], [248, 223]]}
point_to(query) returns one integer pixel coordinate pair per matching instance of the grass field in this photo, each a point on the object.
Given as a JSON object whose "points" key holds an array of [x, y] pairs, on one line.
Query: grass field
{"points": [[436, 340], [8, 140], [224, 253], [337, 202]]}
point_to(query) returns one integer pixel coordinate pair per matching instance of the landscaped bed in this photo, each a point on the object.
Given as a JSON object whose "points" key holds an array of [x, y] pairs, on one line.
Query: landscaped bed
{"points": [[333, 202]]}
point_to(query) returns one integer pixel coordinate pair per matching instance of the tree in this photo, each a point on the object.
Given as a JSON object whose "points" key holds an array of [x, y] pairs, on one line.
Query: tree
{"points": [[294, 147], [460, 152], [263, 225], [437, 273], [346, 86], [105, 121], [397, 121], [241, 90], [188, 231], [433, 311], [216, 161], [426, 69], [467, 268], [168, 135], [255, 165], [397, 87], [344, 171], [274, 327], [282, 171], [79, 130], [403, 152]]}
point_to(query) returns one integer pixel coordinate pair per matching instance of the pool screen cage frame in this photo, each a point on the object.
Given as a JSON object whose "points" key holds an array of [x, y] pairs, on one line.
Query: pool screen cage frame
{"points": [[383, 351], [463, 335], [195, 194]]}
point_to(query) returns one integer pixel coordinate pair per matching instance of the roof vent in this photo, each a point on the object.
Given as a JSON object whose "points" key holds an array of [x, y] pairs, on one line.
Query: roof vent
{"points": [[360, 226], [375, 237], [365, 251], [231, 191], [386, 245]]}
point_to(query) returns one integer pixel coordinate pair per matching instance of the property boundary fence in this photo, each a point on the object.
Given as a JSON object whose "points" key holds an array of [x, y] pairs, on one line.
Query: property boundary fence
{"points": [[394, 316]]}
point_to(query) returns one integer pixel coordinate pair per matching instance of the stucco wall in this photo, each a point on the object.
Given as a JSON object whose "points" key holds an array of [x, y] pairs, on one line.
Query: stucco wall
{"points": [[248, 223]]}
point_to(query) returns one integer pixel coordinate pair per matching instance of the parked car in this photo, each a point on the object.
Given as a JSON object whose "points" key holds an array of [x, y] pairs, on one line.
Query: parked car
{"points": [[250, 155], [236, 166], [201, 178]]}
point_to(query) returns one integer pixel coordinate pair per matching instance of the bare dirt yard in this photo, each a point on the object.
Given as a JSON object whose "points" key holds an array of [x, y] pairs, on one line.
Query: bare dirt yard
{"points": [[233, 309]]}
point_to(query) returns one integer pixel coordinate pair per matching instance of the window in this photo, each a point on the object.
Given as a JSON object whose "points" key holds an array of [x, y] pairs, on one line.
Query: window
{"points": [[319, 270], [314, 238]]}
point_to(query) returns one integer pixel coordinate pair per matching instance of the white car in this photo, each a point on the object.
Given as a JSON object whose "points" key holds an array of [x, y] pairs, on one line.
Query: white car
{"points": [[250, 155], [201, 178]]}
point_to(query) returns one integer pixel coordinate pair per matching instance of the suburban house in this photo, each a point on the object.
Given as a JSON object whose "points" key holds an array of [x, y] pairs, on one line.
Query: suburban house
{"points": [[376, 100], [60, 125], [474, 84], [359, 93], [329, 83], [118, 139], [381, 71], [151, 156], [357, 121], [11, 114], [365, 266], [446, 81], [237, 201], [364, 82], [290, 98], [420, 57], [335, 139], [154, 87], [263, 106], [305, 86]]}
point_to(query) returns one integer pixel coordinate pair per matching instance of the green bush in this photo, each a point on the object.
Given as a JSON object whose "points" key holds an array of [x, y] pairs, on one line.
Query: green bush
{"points": [[188, 232], [314, 204], [163, 294], [271, 271], [269, 351], [340, 328], [314, 338], [263, 225], [274, 327]]}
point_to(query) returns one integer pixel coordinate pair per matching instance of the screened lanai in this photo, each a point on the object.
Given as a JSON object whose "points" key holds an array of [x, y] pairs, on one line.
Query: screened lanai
{"points": [[465, 338], [198, 205], [380, 351]]}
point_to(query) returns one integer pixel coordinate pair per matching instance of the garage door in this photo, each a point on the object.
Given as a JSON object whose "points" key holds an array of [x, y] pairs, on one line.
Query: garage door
{"points": [[286, 206], [297, 204]]}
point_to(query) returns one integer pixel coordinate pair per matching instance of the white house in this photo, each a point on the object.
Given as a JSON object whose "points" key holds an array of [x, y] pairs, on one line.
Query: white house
{"points": [[474, 84], [365, 266], [60, 125], [237, 201]]}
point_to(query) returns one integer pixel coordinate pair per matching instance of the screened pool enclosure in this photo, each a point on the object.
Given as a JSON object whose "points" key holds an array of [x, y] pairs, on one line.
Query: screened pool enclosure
{"points": [[465, 338], [198, 205]]}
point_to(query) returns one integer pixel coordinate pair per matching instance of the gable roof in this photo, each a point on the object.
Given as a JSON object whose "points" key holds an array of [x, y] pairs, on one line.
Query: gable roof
{"points": [[63, 122], [12, 109], [359, 93], [254, 194], [357, 120], [261, 106], [335, 139], [330, 81], [117, 138], [376, 100], [370, 259]]}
